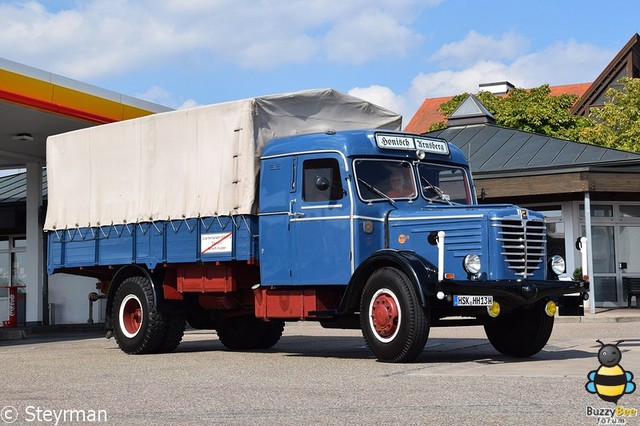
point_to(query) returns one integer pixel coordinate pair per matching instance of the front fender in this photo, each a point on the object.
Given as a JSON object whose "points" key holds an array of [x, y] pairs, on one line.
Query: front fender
{"points": [[422, 273]]}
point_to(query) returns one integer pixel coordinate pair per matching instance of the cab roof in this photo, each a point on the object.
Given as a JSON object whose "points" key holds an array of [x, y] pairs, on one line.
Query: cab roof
{"points": [[355, 143]]}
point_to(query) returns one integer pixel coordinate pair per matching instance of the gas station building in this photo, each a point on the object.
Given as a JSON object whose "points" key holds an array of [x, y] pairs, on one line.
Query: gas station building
{"points": [[35, 104]]}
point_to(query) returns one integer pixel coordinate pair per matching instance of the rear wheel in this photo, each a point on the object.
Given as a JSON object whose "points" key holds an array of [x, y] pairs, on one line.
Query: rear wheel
{"points": [[173, 334], [522, 332], [249, 333], [393, 323], [139, 328]]}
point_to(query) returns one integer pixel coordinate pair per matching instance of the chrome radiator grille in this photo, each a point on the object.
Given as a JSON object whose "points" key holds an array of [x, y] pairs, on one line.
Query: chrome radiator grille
{"points": [[523, 244]]}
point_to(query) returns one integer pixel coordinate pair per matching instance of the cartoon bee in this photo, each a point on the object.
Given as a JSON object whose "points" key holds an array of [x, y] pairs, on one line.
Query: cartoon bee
{"points": [[610, 381]]}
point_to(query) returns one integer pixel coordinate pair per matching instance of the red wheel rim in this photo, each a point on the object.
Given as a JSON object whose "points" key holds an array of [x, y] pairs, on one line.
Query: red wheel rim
{"points": [[385, 314], [131, 315]]}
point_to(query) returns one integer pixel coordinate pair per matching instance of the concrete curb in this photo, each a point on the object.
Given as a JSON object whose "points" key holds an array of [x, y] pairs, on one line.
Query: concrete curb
{"points": [[19, 333], [597, 319], [12, 334]]}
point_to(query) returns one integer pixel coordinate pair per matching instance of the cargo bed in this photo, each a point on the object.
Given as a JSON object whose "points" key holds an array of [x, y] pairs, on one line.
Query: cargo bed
{"points": [[208, 239]]}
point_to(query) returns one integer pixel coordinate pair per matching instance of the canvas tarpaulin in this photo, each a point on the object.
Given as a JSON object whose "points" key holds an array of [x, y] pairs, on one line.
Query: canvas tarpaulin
{"points": [[188, 163]]}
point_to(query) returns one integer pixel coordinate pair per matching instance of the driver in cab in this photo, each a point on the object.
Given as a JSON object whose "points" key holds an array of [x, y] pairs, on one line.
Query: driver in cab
{"points": [[400, 183]]}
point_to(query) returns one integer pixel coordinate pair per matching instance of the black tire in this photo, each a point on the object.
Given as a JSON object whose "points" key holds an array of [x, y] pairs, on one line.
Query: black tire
{"points": [[269, 333], [138, 327], [249, 333], [394, 325], [200, 319], [174, 332], [522, 332]]}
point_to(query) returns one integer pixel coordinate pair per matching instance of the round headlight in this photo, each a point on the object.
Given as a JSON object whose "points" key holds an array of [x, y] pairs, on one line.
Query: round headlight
{"points": [[472, 263], [557, 265]]}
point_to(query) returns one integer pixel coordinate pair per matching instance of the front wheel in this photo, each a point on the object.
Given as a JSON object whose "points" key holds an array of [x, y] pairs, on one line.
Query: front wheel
{"points": [[139, 327], [522, 332], [393, 323]]}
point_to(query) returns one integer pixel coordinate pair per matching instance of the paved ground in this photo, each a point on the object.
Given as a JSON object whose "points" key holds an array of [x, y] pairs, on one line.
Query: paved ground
{"points": [[602, 315], [315, 376]]}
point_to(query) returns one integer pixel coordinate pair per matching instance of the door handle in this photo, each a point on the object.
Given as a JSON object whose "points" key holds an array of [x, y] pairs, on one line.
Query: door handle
{"points": [[291, 212]]}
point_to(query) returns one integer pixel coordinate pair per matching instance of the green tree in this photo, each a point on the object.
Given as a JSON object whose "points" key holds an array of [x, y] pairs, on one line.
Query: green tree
{"points": [[617, 123], [532, 110]]}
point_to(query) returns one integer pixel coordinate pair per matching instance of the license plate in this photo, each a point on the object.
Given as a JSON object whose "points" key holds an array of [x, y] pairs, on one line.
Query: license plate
{"points": [[472, 300]]}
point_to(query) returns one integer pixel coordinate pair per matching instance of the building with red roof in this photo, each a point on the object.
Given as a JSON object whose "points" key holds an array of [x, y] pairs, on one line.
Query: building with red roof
{"points": [[626, 63]]}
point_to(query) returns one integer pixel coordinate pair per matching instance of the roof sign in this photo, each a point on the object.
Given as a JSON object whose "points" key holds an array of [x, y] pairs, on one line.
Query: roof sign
{"points": [[412, 143]]}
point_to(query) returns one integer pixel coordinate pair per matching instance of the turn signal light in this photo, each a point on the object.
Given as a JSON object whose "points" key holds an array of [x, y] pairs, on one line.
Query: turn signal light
{"points": [[551, 308], [494, 309]]}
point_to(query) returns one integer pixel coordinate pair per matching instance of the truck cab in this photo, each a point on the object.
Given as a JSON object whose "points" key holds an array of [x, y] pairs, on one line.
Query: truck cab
{"points": [[387, 223], [329, 208]]}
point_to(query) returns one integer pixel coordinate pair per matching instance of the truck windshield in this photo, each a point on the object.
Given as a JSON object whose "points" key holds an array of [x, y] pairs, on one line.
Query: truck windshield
{"points": [[383, 179], [445, 184]]}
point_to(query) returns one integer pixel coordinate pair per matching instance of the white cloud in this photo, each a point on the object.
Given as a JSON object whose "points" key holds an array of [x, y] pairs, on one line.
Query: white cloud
{"points": [[448, 83], [381, 96], [270, 52], [479, 47], [561, 63], [162, 96], [110, 37], [102, 37], [565, 62], [189, 103], [369, 35], [106, 37]]}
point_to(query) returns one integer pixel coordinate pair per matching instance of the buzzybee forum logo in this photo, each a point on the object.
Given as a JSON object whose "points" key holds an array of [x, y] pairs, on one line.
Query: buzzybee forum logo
{"points": [[610, 381]]}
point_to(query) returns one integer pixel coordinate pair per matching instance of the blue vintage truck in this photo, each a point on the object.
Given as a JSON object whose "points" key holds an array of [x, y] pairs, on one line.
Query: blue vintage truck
{"points": [[241, 216]]}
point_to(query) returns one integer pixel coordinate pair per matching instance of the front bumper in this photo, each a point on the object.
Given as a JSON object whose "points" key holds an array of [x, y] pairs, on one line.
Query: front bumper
{"points": [[514, 293]]}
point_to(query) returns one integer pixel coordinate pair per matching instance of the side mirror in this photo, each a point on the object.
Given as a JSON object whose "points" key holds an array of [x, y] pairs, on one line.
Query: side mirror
{"points": [[322, 184]]}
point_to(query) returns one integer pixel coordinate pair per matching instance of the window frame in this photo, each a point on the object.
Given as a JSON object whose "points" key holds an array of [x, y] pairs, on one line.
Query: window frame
{"points": [[336, 190], [383, 160], [465, 178]]}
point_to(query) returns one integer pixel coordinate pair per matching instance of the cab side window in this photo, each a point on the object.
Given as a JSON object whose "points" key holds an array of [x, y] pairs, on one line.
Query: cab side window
{"points": [[321, 180]]}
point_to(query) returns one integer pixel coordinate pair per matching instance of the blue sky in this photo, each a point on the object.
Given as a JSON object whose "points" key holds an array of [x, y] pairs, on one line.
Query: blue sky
{"points": [[395, 53]]}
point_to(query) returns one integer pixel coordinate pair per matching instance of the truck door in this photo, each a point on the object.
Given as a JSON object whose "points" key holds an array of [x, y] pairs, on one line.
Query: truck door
{"points": [[278, 177], [320, 222]]}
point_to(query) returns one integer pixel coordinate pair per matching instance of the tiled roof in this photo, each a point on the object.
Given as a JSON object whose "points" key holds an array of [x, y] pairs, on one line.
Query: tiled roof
{"points": [[429, 114], [570, 89]]}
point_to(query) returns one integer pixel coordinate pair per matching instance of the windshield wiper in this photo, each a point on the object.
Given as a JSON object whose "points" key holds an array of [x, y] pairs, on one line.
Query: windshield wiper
{"points": [[377, 191], [439, 193]]}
